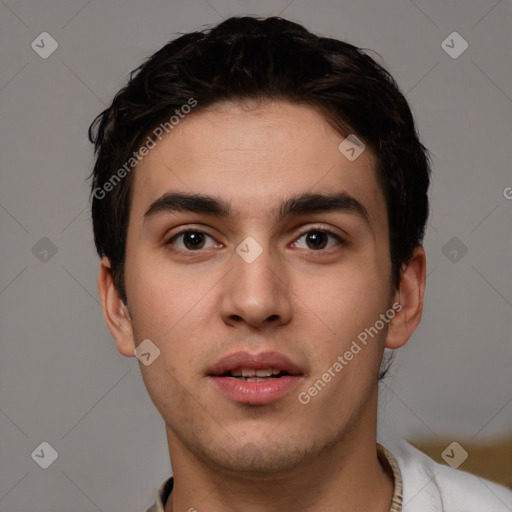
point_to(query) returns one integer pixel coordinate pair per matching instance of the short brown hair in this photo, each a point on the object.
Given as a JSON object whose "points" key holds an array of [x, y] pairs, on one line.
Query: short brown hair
{"points": [[270, 58]]}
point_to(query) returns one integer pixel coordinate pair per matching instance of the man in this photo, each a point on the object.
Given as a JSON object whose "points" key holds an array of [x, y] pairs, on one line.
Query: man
{"points": [[259, 205]]}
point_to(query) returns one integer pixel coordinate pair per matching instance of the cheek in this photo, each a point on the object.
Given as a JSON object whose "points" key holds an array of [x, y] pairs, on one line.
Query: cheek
{"points": [[162, 295], [169, 389], [166, 312], [176, 309], [345, 300], [337, 311]]}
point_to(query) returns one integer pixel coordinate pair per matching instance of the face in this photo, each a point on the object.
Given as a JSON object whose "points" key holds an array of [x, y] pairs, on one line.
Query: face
{"points": [[288, 285]]}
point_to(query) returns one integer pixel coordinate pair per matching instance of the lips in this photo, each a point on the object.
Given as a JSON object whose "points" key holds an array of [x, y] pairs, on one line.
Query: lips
{"points": [[239, 361], [255, 378]]}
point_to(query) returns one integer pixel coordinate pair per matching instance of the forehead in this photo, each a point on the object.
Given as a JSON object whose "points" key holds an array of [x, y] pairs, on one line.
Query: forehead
{"points": [[254, 156]]}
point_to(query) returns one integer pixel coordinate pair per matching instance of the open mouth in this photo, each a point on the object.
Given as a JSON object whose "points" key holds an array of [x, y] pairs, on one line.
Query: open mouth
{"points": [[250, 375], [255, 378]]}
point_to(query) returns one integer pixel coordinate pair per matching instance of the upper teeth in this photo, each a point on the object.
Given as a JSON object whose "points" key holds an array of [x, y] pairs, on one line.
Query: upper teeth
{"points": [[245, 372]]}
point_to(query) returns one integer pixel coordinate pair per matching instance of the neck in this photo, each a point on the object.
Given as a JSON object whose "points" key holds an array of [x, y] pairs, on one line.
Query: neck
{"points": [[344, 476]]}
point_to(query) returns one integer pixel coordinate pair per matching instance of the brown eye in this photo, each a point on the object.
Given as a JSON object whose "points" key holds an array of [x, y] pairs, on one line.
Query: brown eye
{"points": [[190, 240], [193, 240], [317, 240]]}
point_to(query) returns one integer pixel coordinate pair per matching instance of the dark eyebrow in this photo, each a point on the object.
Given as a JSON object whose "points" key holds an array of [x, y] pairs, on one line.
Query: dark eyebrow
{"points": [[184, 202], [317, 203], [297, 205]]}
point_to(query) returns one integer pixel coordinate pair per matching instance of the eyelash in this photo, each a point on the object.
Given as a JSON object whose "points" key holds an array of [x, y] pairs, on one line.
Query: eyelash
{"points": [[313, 229]]}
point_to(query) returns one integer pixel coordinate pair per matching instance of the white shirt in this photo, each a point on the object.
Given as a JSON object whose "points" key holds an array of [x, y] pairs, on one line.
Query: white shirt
{"points": [[421, 485], [432, 487]]}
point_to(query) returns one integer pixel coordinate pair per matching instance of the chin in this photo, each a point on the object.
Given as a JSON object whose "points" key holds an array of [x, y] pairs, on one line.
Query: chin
{"points": [[260, 459]]}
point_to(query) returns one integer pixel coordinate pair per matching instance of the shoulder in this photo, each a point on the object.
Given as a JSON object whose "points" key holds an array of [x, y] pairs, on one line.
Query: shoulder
{"points": [[432, 487]]}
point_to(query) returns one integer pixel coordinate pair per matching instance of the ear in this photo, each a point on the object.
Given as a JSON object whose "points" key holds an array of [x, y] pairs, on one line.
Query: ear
{"points": [[410, 297], [115, 312]]}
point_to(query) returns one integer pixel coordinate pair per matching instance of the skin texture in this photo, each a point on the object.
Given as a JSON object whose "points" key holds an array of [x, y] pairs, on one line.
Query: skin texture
{"points": [[305, 302]]}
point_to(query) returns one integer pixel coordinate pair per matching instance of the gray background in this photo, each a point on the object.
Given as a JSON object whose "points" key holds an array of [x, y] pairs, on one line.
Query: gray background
{"points": [[62, 380]]}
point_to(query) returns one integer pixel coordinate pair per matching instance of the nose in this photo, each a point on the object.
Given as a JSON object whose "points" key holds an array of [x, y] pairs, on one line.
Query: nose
{"points": [[256, 291]]}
